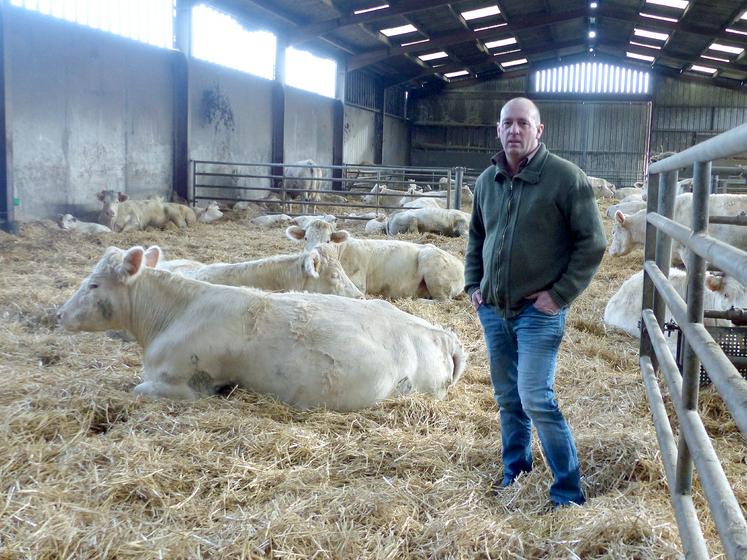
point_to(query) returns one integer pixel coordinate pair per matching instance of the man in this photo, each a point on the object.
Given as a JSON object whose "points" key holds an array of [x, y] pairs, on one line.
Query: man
{"points": [[535, 241]]}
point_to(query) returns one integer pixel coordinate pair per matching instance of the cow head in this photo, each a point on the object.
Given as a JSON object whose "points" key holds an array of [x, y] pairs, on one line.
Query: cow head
{"points": [[211, 213], [102, 300], [324, 274], [622, 239], [110, 202], [315, 233], [67, 221]]}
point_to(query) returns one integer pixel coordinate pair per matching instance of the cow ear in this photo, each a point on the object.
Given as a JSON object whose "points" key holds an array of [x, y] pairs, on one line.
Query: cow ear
{"points": [[339, 236], [132, 263], [312, 263], [620, 217], [295, 233], [100, 195], [152, 255], [122, 196]]}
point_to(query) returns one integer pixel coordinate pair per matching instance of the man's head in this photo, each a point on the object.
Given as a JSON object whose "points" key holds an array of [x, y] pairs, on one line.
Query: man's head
{"points": [[519, 128]]}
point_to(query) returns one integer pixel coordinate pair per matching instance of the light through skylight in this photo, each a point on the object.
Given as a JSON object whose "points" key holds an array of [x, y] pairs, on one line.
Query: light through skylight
{"points": [[312, 73], [373, 9], [591, 78], [415, 42], [219, 38], [456, 74], [717, 59], [516, 62], [679, 4], [433, 56], [496, 26], [501, 43], [704, 69], [640, 56], [651, 34], [481, 12], [148, 21], [736, 31], [662, 18], [401, 30], [726, 48], [645, 45]]}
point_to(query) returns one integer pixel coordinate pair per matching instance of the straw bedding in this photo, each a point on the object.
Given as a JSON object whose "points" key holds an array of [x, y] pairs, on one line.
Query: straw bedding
{"points": [[87, 471]]}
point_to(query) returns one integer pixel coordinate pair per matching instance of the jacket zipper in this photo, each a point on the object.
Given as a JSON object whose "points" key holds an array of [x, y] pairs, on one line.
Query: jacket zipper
{"points": [[505, 231]]}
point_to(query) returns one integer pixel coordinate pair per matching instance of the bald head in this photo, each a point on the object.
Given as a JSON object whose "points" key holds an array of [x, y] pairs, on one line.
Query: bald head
{"points": [[523, 104]]}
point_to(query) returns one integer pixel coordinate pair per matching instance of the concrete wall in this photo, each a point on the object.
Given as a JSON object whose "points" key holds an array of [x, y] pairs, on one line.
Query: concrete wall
{"points": [[359, 135], [308, 126], [88, 111], [396, 149]]}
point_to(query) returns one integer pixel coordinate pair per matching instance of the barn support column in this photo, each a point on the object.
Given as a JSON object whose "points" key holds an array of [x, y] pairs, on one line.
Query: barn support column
{"points": [[7, 197], [181, 176], [379, 127], [278, 109], [338, 124]]}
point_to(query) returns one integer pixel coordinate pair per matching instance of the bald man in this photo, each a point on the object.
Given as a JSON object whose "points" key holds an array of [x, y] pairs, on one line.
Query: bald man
{"points": [[535, 242]]}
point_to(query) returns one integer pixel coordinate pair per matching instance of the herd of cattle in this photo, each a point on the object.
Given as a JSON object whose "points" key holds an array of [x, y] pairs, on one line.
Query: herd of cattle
{"points": [[206, 325]]}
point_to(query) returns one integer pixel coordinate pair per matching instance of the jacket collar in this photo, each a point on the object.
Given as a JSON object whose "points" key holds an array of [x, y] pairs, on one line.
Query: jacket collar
{"points": [[530, 173]]}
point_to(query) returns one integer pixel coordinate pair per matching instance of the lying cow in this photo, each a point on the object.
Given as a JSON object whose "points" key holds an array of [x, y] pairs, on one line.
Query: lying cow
{"points": [[388, 267], [453, 223], [121, 214], [272, 220], [602, 188], [209, 214], [70, 222], [304, 221], [304, 349], [623, 311], [316, 271], [304, 181], [629, 230]]}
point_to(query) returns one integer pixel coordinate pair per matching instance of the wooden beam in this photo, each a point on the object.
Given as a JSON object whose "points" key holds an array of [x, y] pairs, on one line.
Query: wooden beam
{"points": [[436, 41], [313, 30]]}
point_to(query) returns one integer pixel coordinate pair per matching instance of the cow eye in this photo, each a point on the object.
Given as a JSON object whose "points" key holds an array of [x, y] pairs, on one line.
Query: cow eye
{"points": [[92, 286]]}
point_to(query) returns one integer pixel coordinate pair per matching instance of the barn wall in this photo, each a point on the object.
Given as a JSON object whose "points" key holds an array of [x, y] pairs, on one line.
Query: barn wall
{"points": [[308, 126], [686, 113], [89, 111], [458, 127], [396, 141], [359, 135]]}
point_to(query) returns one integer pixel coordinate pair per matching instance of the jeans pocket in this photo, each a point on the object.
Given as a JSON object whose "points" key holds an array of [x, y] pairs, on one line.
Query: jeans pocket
{"points": [[546, 314]]}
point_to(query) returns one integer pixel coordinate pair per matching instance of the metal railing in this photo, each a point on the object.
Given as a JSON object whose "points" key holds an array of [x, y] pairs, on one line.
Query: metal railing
{"points": [[347, 186], [694, 448]]}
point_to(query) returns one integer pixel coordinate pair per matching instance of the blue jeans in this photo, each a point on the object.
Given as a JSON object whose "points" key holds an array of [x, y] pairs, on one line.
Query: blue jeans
{"points": [[523, 353]]}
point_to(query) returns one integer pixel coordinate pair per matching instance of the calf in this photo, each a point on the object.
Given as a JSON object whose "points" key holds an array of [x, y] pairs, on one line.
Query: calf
{"points": [[453, 223], [121, 214], [70, 222], [303, 180], [304, 349], [209, 214], [388, 267], [316, 271]]}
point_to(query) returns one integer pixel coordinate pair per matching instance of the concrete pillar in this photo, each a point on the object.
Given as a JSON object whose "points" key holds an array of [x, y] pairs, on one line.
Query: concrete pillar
{"points": [[338, 125], [278, 109], [181, 176], [7, 192]]}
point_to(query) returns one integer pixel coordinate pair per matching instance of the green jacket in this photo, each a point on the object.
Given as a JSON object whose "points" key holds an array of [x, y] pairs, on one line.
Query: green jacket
{"points": [[538, 231]]}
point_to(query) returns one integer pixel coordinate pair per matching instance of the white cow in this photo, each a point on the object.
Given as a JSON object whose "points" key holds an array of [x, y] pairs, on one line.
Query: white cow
{"points": [[623, 311], [383, 196], [626, 208], [624, 192], [388, 267], [121, 214], [304, 182], [426, 202], [451, 222], [377, 225], [304, 349], [272, 220], [629, 231], [70, 222], [317, 270], [602, 188], [209, 214], [304, 221]]}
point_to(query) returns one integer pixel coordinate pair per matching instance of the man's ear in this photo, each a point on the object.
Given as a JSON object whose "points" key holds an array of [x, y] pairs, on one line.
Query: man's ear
{"points": [[540, 130]]}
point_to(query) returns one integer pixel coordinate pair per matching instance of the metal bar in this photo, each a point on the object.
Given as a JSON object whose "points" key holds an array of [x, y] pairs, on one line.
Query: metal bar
{"points": [[723, 374], [740, 220], [725, 257], [691, 534], [727, 514], [724, 145], [7, 190], [667, 199], [649, 254], [459, 183]]}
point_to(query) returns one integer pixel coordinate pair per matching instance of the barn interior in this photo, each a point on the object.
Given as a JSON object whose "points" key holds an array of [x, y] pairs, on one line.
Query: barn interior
{"points": [[87, 105]]}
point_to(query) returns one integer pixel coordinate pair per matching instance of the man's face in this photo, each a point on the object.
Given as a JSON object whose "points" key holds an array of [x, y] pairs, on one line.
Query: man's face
{"points": [[519, 130]]}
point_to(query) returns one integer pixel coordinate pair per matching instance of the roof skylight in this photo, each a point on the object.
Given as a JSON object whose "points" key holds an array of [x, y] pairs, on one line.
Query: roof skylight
{"points": [[372, 9], [514, 62], [726, 48], [679, 4], [504, 24], [714, 58], [662, 18], [640, 56], [415, 42], [651, 34], [401, 30], [501, 42], [736, 31], [481, 12], [456, 74], [644, 45], [433, 56], [704, 69]]}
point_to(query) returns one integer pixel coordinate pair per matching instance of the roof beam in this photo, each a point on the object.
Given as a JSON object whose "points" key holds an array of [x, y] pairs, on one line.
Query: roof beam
{"points": [[316, 29], [437, 41]]}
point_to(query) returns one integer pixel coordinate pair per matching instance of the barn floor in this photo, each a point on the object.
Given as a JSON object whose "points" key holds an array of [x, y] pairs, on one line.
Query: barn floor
{"points": [[87, 471]]}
